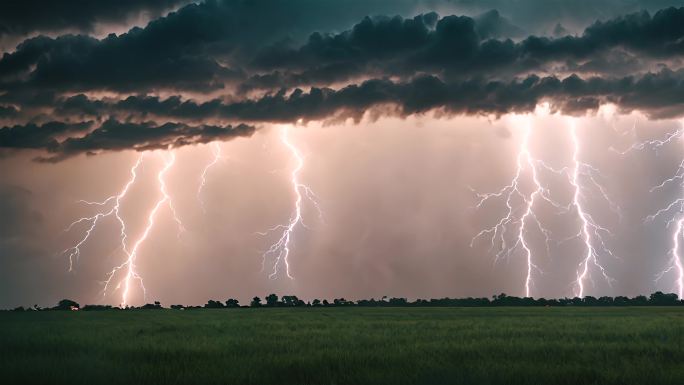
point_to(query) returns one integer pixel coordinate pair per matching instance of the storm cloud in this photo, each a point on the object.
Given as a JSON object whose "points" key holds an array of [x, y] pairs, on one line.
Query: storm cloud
{"points": [[113, 135], [217, 60], [658, 94]]}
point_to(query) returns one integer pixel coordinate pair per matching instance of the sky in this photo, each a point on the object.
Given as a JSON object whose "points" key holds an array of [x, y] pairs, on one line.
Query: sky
{"points": [[183, 151]]}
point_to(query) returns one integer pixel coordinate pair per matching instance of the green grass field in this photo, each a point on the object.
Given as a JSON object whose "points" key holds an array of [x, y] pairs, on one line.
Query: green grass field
{"points": [[345, 346]]}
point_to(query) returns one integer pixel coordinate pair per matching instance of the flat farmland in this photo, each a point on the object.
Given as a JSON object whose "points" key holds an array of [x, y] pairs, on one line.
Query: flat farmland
{"points": [[345, 345]]}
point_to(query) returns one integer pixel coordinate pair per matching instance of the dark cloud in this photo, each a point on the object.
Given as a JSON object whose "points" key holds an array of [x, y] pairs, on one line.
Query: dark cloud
{"points": [[67, 139], [187, 49], [461, 46], [131, 61], [659, 35], [379, 38], [114, 135], [659, 94], [298, 17], [33, 136], [261, 69], [30, 16], [541, 17], [205, 46]]}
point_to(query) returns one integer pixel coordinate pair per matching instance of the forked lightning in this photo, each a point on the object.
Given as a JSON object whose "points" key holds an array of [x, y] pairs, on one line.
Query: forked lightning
{"points": [[281, 248]]}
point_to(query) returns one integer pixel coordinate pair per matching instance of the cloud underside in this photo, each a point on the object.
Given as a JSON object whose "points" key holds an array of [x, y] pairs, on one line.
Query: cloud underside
{"points": [[62, 140], [219, 69]]}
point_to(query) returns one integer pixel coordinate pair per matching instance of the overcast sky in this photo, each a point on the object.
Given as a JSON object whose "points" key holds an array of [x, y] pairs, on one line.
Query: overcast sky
{"points": [[392, 118]]}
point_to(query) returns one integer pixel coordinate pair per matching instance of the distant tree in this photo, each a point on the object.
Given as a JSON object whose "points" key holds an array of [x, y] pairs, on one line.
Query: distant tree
{"points": [[661, 299], [289, 300], [656, 299], [67, 304], [577, 301], [152, 306], [214, 304], [398, 302], [272, 300], [342, 302], [96, 307], [292, 300], [366, 302]]}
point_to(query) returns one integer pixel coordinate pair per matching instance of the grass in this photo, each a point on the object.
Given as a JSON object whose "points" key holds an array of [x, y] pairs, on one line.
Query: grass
{"points": [[345, 346]]}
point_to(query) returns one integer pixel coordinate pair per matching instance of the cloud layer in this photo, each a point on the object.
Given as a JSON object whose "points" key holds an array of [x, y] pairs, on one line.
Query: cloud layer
{"points": [[197, 74]]}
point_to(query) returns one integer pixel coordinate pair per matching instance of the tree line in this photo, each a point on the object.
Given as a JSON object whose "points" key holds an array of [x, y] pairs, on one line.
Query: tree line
{"points": [[272, 300]]}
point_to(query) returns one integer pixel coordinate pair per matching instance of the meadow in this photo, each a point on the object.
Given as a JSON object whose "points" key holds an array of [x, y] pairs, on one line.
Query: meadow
{"points": [[499, 345]]}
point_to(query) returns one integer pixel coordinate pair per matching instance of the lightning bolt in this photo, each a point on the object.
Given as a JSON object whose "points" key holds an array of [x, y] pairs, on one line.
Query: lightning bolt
{"points": [[590, 232], [74, 252], [672, 211], [129, 265], [675, 263], [216, 151], [520, 213], [281, 248], [111, 207]]}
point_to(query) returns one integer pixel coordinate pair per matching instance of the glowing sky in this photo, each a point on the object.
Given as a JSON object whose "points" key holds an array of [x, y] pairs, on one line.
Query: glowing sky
{"points": [[233, 118]]}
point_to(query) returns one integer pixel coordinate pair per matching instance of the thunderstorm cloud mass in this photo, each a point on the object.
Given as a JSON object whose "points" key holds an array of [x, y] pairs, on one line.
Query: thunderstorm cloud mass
{"points": [[182, 150]]}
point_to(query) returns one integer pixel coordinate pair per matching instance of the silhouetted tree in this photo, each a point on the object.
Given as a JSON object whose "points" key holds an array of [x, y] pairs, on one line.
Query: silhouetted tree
{"points": [[342, 302], [272, 300], [211, 304], [656, 299], [152, 306], [96, 307], [232, 303], [292, 300], [660, 299], [67, 304], [398, 302]]}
